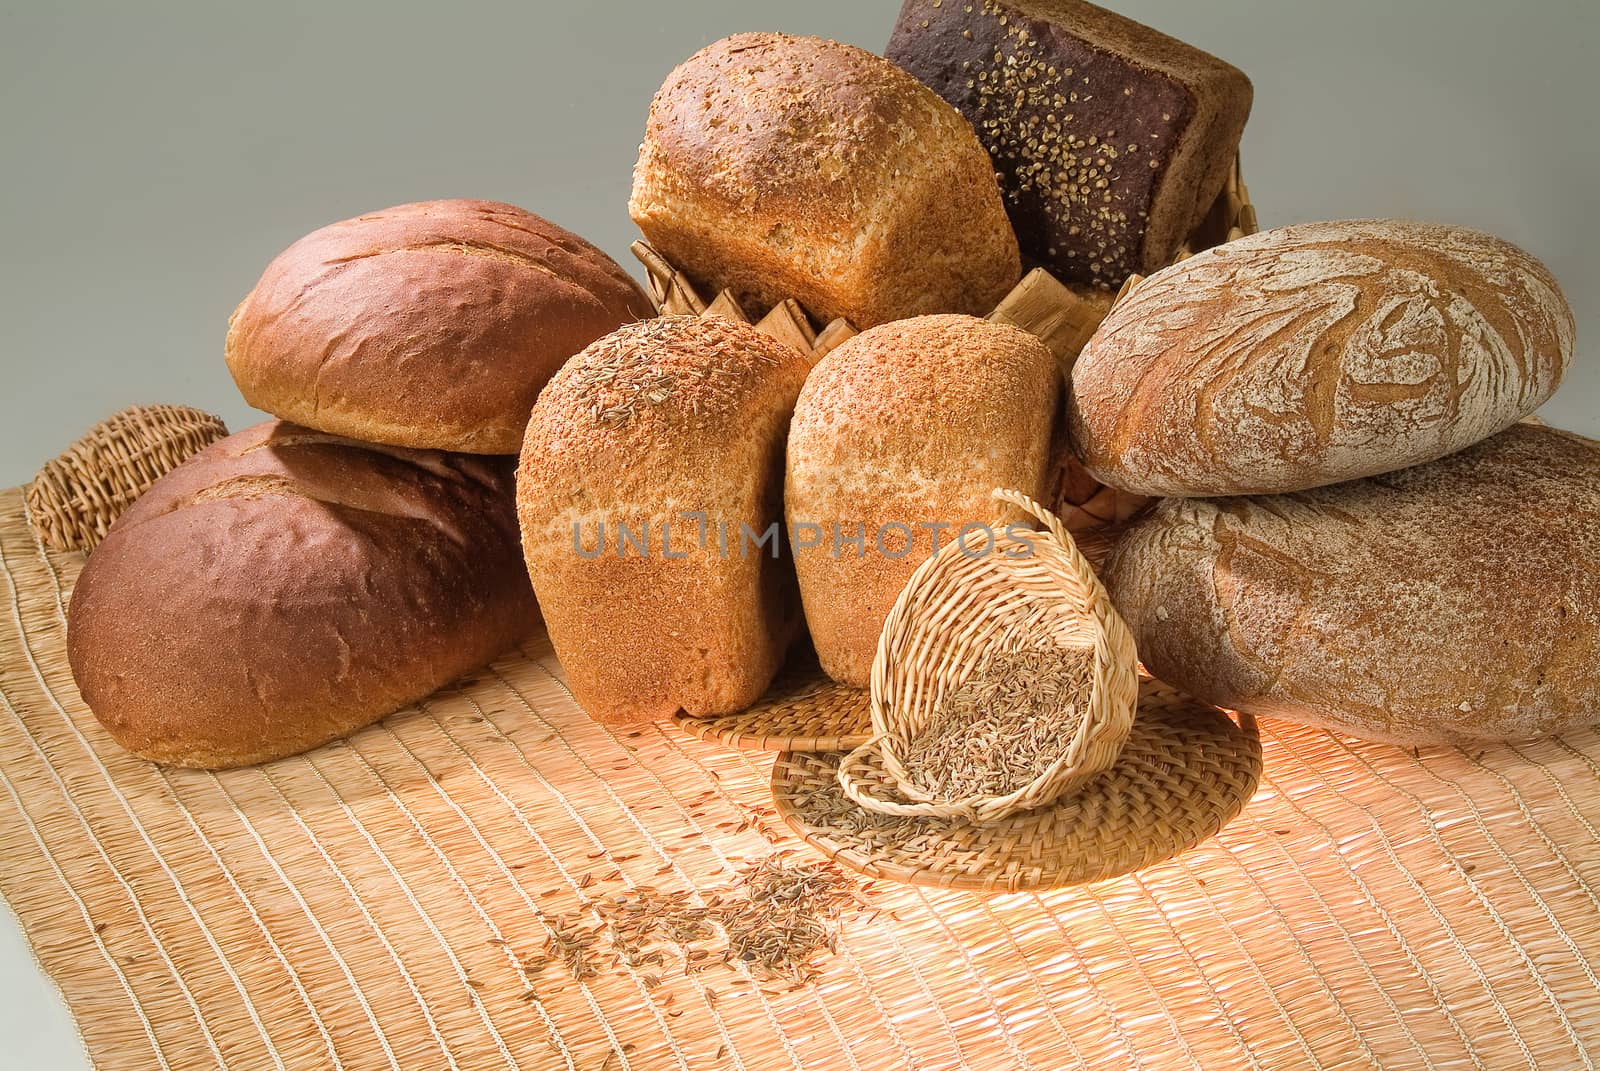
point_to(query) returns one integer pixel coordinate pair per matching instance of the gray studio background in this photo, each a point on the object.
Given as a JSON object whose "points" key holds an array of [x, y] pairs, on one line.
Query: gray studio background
{"points": [[152, 161]]}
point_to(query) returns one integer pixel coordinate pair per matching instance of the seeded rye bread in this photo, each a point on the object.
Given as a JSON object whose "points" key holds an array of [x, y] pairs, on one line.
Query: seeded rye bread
{"points": [[1316, 353], [427, 325], [661, 420], [284, 587], [1112, 140], [1454, 602], [910, 423], [783, 167]]}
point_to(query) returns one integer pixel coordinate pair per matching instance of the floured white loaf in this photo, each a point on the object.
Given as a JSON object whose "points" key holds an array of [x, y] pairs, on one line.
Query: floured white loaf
{"points": [[1316, 353], [1454, 602]]}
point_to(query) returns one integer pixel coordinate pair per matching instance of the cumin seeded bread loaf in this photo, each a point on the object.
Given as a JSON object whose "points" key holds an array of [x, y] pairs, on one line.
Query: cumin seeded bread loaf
{"points": [[1454, 602], [1112, 140], [426, 325], [905, 427], [784, 167], [644, 457], [1317, 353], [285, 586]]}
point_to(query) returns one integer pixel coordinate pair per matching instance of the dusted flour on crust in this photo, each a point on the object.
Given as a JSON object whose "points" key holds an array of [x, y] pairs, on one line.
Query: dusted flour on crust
{"points": [[1454, 602], [1315, 353]]}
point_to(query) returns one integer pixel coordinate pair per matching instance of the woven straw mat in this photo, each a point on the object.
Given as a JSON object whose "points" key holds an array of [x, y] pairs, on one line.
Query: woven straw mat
{"points": [[373, 904]]}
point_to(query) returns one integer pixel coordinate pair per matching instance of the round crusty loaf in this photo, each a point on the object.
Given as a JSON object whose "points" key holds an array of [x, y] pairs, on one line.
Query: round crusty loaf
{"points": [[284, 587], [427, 325], [783, 167], [1316, 353], [909, 424], [644, 456], [1453, 602]]}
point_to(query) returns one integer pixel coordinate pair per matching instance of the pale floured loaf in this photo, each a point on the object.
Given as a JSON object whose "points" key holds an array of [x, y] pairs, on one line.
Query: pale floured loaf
{"points": [[1454, 602], [904, 428], [649, 494], [795, 167], [285, 586], [431, 324], [1315, 353]]}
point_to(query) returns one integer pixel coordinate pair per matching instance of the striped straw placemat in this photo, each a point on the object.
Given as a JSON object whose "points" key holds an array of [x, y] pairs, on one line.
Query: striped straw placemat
{"points": [[382, 903]]}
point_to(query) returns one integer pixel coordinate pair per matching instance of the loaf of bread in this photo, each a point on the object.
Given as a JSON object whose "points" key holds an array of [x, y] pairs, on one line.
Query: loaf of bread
{"points": [[284, 587], [793, 167], [1316, 353], [1454, 602], [650, 499], [427, 325], [1112, 140], [899, 437]]}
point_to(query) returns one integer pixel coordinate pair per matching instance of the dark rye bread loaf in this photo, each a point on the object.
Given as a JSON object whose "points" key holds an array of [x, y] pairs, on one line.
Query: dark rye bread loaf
{"points": [[284, 587], [1315, 353], [795, 167], [1454, 602], [900, 430], [1111, 140], [644, 457], [428, 325]]}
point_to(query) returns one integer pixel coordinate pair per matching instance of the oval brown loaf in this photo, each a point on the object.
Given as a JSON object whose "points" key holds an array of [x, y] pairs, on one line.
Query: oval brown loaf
{"points": [[796, 167], [1316, 353], [909, 424], [284, 587], [1453, 602], [429, 325], [674, 429]]}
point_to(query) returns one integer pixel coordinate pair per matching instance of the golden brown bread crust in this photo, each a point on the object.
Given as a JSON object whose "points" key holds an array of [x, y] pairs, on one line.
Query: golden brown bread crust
{"points": [[1316, 353], [284, 587], [660, 419], [430, 325], [783, 166], [1454, 602], [910, 423]]}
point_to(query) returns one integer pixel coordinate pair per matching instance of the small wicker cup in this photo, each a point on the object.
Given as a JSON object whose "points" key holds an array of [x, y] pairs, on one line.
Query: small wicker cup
{"points": [[958, 609]]}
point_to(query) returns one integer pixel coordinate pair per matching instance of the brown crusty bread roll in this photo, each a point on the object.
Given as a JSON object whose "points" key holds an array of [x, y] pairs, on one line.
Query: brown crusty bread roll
{"points": [[1454, 602], [1112, 140], [904, 427], [425, 325], [795, 167], [285, 586], [643, 457], [1316, 353]]}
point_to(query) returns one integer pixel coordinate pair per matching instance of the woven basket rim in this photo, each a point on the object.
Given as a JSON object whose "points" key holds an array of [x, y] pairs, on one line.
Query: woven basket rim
{"points": [[1109, 709]]}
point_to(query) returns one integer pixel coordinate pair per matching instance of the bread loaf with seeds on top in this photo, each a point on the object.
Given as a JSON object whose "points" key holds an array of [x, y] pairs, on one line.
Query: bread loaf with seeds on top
{"points": [[1112, 140], [795, 167], [899, 438], [650, 482]]}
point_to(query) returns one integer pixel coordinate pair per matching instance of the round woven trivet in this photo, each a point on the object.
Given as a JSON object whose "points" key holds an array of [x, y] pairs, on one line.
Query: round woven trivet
{"points": [[1186, 770], [74, 499], [803, 710]]}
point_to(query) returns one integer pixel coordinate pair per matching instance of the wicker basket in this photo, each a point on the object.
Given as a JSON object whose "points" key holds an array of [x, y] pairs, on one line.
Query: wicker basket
{"points": [[74, 499], [957, 611]]}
